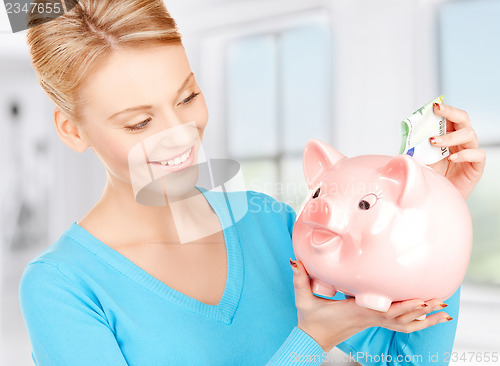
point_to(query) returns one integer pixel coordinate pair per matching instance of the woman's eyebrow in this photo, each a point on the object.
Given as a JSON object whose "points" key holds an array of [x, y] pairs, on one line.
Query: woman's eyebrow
{"points": [[132, 109]]}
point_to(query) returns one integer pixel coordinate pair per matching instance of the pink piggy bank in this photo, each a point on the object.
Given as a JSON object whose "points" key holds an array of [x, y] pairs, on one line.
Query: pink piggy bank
{"points": [[380, 228]]}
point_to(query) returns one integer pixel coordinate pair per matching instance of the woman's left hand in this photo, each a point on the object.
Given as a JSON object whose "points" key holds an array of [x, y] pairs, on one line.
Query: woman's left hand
{"points": [[465, 165]]}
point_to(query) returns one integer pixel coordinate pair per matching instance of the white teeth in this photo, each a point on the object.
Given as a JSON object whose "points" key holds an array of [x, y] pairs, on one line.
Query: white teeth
{"points": [[177, 160]]}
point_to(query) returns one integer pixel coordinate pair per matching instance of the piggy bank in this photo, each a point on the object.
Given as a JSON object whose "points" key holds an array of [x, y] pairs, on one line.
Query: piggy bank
{"points": [[380, 228]]}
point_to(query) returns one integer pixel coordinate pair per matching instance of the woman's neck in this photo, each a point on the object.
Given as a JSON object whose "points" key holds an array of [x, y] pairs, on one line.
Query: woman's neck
{"points": [[119, 218]]}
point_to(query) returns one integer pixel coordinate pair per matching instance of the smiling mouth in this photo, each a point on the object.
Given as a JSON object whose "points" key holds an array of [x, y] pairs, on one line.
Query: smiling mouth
{"points": [[176, 160]]}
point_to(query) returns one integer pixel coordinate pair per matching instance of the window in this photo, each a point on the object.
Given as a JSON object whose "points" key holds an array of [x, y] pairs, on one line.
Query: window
{"points": [[278, 96], [470, 80]]}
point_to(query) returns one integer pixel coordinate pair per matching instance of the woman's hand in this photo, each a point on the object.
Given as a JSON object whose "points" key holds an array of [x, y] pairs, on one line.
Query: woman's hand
{"points": [[466, 162], [330, 322]]}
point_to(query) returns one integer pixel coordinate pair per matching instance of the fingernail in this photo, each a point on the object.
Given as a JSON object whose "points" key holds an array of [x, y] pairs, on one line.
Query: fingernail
{"points": [[447, 319], [437, 106], [439, 307], [422, 306], [436, 140], [452, 157], [294, 265]]}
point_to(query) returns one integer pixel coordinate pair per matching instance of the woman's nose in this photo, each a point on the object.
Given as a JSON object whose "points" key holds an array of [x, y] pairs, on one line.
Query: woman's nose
{"points": [[170, 118], [181, 133]]}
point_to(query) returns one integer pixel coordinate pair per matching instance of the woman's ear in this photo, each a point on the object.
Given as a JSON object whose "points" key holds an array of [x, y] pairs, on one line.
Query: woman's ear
{"points": [[69, 132]]}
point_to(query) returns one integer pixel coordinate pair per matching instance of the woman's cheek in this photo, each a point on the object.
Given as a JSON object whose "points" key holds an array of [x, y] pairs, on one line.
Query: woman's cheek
{"points": [[200, 113], [115, 153], [202, 118]]}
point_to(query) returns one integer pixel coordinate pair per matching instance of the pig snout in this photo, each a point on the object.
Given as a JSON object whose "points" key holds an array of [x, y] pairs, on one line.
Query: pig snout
{"points": [[322, 218]]}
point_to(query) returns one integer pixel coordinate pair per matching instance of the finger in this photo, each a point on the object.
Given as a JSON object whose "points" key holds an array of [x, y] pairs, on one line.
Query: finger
{"points": [[475, 156], [402, 307], [468, 155], [420, 312], [436, 304], [454, 115], [429, 321], [301, 284], [464, 136]]}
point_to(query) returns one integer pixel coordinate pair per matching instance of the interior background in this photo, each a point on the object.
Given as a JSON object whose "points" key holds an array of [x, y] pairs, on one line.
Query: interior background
{"points": [[275, 73]]}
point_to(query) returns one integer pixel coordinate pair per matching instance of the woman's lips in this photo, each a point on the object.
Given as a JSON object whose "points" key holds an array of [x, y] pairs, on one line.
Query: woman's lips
{"points": [[177, 162]]}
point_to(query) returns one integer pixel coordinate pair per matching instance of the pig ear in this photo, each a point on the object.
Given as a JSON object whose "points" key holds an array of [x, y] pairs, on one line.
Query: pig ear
{"points": [[318, 157], [408, 173]]}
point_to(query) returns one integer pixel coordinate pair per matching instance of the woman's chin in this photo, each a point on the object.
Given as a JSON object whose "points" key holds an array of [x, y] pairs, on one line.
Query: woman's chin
{"points": [[172, 187]]}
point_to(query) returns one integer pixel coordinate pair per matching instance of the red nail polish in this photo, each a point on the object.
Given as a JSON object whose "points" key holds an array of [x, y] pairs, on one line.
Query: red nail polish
{"points": [[433, 140], [437, 106], [294, 265], [447, 319]]}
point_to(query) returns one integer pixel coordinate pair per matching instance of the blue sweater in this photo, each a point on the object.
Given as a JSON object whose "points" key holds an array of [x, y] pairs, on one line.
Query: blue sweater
{"points": [[86, 304]]}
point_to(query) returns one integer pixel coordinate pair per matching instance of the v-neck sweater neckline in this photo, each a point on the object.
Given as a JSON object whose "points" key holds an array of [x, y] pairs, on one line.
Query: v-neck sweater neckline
{"points": [[225, 310]]}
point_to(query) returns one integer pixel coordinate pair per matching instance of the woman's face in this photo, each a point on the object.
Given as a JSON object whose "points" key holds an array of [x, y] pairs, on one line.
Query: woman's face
{"points": [[142, 110]]}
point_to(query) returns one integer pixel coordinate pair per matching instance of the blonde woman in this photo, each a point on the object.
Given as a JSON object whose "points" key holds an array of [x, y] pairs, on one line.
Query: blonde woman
{"points": [[122, 287]]}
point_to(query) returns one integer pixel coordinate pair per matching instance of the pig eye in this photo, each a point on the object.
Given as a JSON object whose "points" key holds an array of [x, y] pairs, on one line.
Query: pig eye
{"points": [[367, 201], [316, 193]]}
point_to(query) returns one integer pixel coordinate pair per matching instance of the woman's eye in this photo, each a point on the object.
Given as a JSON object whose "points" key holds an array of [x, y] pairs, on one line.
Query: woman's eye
{"points": [[139, 126], [144, 123], [367, 201], [190, 98], [316, 193]]}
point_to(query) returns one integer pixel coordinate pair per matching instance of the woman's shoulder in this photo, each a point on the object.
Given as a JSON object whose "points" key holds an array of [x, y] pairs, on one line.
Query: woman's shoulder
{"points": [[65, 256], [61, 246], [57, 280]]}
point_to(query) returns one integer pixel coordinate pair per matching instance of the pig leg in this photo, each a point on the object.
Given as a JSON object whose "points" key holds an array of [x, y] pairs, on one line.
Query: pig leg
{"points": [[373, 301], [322, 288]]}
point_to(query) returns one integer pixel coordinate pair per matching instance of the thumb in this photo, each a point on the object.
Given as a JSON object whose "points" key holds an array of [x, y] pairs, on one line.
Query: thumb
{"points": [[301, 284]]}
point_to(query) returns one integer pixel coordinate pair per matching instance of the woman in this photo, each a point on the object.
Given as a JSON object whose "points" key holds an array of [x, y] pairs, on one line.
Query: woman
{"points": [[127, 284]]}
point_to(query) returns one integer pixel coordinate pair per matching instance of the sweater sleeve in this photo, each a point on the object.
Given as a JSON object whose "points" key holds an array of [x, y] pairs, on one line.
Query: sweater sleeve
{"points": [[429, 346], [66, 328], [298, 349]]}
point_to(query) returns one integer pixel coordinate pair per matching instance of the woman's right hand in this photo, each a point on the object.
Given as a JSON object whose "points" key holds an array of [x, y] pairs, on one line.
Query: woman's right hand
{"points": [[330, 322]]}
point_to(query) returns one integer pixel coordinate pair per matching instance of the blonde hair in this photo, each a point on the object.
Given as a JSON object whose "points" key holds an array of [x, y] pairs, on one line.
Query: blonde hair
{"points": [[65, 50]]}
